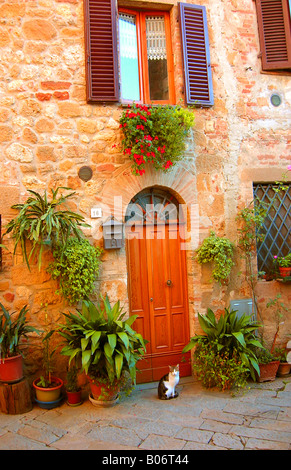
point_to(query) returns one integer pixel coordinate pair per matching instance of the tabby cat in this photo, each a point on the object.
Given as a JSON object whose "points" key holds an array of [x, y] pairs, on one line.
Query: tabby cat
{"points": [[167, 384]]}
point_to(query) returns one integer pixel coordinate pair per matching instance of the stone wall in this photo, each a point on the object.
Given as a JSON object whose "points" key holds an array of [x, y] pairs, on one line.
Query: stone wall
{"points": [[48, 131]]}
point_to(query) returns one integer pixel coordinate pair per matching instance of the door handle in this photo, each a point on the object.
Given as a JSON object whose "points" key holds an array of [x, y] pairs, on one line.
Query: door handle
{"points": [[151, 299], [169, 282]]}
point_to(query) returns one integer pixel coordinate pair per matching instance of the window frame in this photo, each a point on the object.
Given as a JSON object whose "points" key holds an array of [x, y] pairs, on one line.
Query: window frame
{"points": [[274, 243], [102, 58], [142, 56]]}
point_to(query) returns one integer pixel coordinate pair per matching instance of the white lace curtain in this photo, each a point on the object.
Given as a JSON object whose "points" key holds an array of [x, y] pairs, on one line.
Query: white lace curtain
{"points": [[155, 33], [156, 38]]}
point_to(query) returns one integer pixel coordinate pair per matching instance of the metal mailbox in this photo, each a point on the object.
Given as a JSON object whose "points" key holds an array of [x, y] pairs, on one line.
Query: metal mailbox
{"points": [[113, 234]]}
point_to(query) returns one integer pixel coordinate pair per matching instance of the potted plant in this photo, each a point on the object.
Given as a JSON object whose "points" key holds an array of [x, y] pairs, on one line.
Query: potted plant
{"points": [[44, 222], [284, 366], [268, 365], [155, 135], [226, 354], [47, 387], [74, 392], [220, 251], [105, 344], [12, 329], [284, 265]]}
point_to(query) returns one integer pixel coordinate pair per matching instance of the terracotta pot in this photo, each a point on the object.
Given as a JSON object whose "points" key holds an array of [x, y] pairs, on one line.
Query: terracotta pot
{"points": [[104, 392], [283, 369], [268, 371], [11, 369], [104, 403], [49, 394], [284, 272], [74, 398]]}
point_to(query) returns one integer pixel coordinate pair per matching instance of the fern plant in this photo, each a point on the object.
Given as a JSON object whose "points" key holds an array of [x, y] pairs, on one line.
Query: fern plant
{"points": [[44, 222]]}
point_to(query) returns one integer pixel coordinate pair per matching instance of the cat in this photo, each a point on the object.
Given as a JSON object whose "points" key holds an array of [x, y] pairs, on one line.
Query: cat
{"points": [[167, 384]]}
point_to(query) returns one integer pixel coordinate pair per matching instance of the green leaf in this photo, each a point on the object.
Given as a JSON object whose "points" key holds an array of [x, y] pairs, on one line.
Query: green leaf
{"points": [[124, 338], [84, 343], [240, 337], [86, 356], [118, 364], [108, 350], [95, 338], [112, 339]]}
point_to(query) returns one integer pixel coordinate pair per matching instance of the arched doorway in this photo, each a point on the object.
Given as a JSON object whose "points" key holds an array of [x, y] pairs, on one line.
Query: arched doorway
{"points": [[157, 281]]}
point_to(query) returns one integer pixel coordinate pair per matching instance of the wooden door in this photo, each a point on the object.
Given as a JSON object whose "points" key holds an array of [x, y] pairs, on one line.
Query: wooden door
{"points": [[158, 295]]}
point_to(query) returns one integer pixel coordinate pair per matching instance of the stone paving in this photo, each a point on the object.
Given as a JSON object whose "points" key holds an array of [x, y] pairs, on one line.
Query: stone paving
{"points": [[257, 418]]}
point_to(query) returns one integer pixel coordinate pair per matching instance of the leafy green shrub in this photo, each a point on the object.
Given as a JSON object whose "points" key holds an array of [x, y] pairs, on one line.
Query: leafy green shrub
{"points": [[155, 134], [265, 356], [220, 251], [231, 337], [105, 344], [222, 370], [76, 265], [280, 354]]}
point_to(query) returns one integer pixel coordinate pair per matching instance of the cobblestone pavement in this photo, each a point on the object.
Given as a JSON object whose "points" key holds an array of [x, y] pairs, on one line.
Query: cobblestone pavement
{"points": [[257, 418]]}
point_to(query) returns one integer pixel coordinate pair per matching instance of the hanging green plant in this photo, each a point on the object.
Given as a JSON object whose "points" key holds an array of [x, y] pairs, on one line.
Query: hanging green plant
{"points": [[44, 222], [219, 251], [76, 266], [155, 135]]}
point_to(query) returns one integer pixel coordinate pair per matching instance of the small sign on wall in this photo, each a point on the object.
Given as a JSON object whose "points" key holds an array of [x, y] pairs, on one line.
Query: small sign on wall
{"points": [[96, 212]]}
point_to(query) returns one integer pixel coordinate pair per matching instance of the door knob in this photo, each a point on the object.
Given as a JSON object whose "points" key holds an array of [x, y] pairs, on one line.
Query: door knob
{"points": [[151, 299], [169, 282]]}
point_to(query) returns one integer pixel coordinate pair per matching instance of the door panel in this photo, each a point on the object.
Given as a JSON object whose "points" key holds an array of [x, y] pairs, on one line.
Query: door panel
{"points": [[137, 267], [158, 295]]}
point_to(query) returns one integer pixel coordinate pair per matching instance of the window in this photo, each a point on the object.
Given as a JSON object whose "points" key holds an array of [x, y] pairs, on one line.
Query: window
{"points": [[275, 34], [277, 224], [129, 54], [145, 55]]}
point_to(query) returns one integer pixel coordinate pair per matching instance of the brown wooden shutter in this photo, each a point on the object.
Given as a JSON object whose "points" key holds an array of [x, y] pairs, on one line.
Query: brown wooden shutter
{"points": [[275, 36], [101, 50], [196, 55]]}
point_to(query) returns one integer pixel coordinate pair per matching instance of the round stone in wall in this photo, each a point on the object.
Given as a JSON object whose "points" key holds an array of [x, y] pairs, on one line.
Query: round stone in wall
{"points": [[85, 173], [276, 99]]}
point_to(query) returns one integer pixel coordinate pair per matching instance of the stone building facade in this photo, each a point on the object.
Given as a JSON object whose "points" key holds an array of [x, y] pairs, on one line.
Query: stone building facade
{"points": [[48, 131]]}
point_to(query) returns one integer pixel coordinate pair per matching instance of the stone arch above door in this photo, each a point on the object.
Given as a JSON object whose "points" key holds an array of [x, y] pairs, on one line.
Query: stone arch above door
{"points": [[154, 205], [180, 181]]}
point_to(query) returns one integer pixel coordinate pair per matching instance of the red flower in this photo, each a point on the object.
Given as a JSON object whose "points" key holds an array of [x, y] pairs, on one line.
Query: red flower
{"points": [[168, 164], [142, 171], [139, 160]]}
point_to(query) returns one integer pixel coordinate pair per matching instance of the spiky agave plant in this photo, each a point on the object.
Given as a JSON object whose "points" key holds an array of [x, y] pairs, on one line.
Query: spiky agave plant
{"points": [[44, 222]]}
